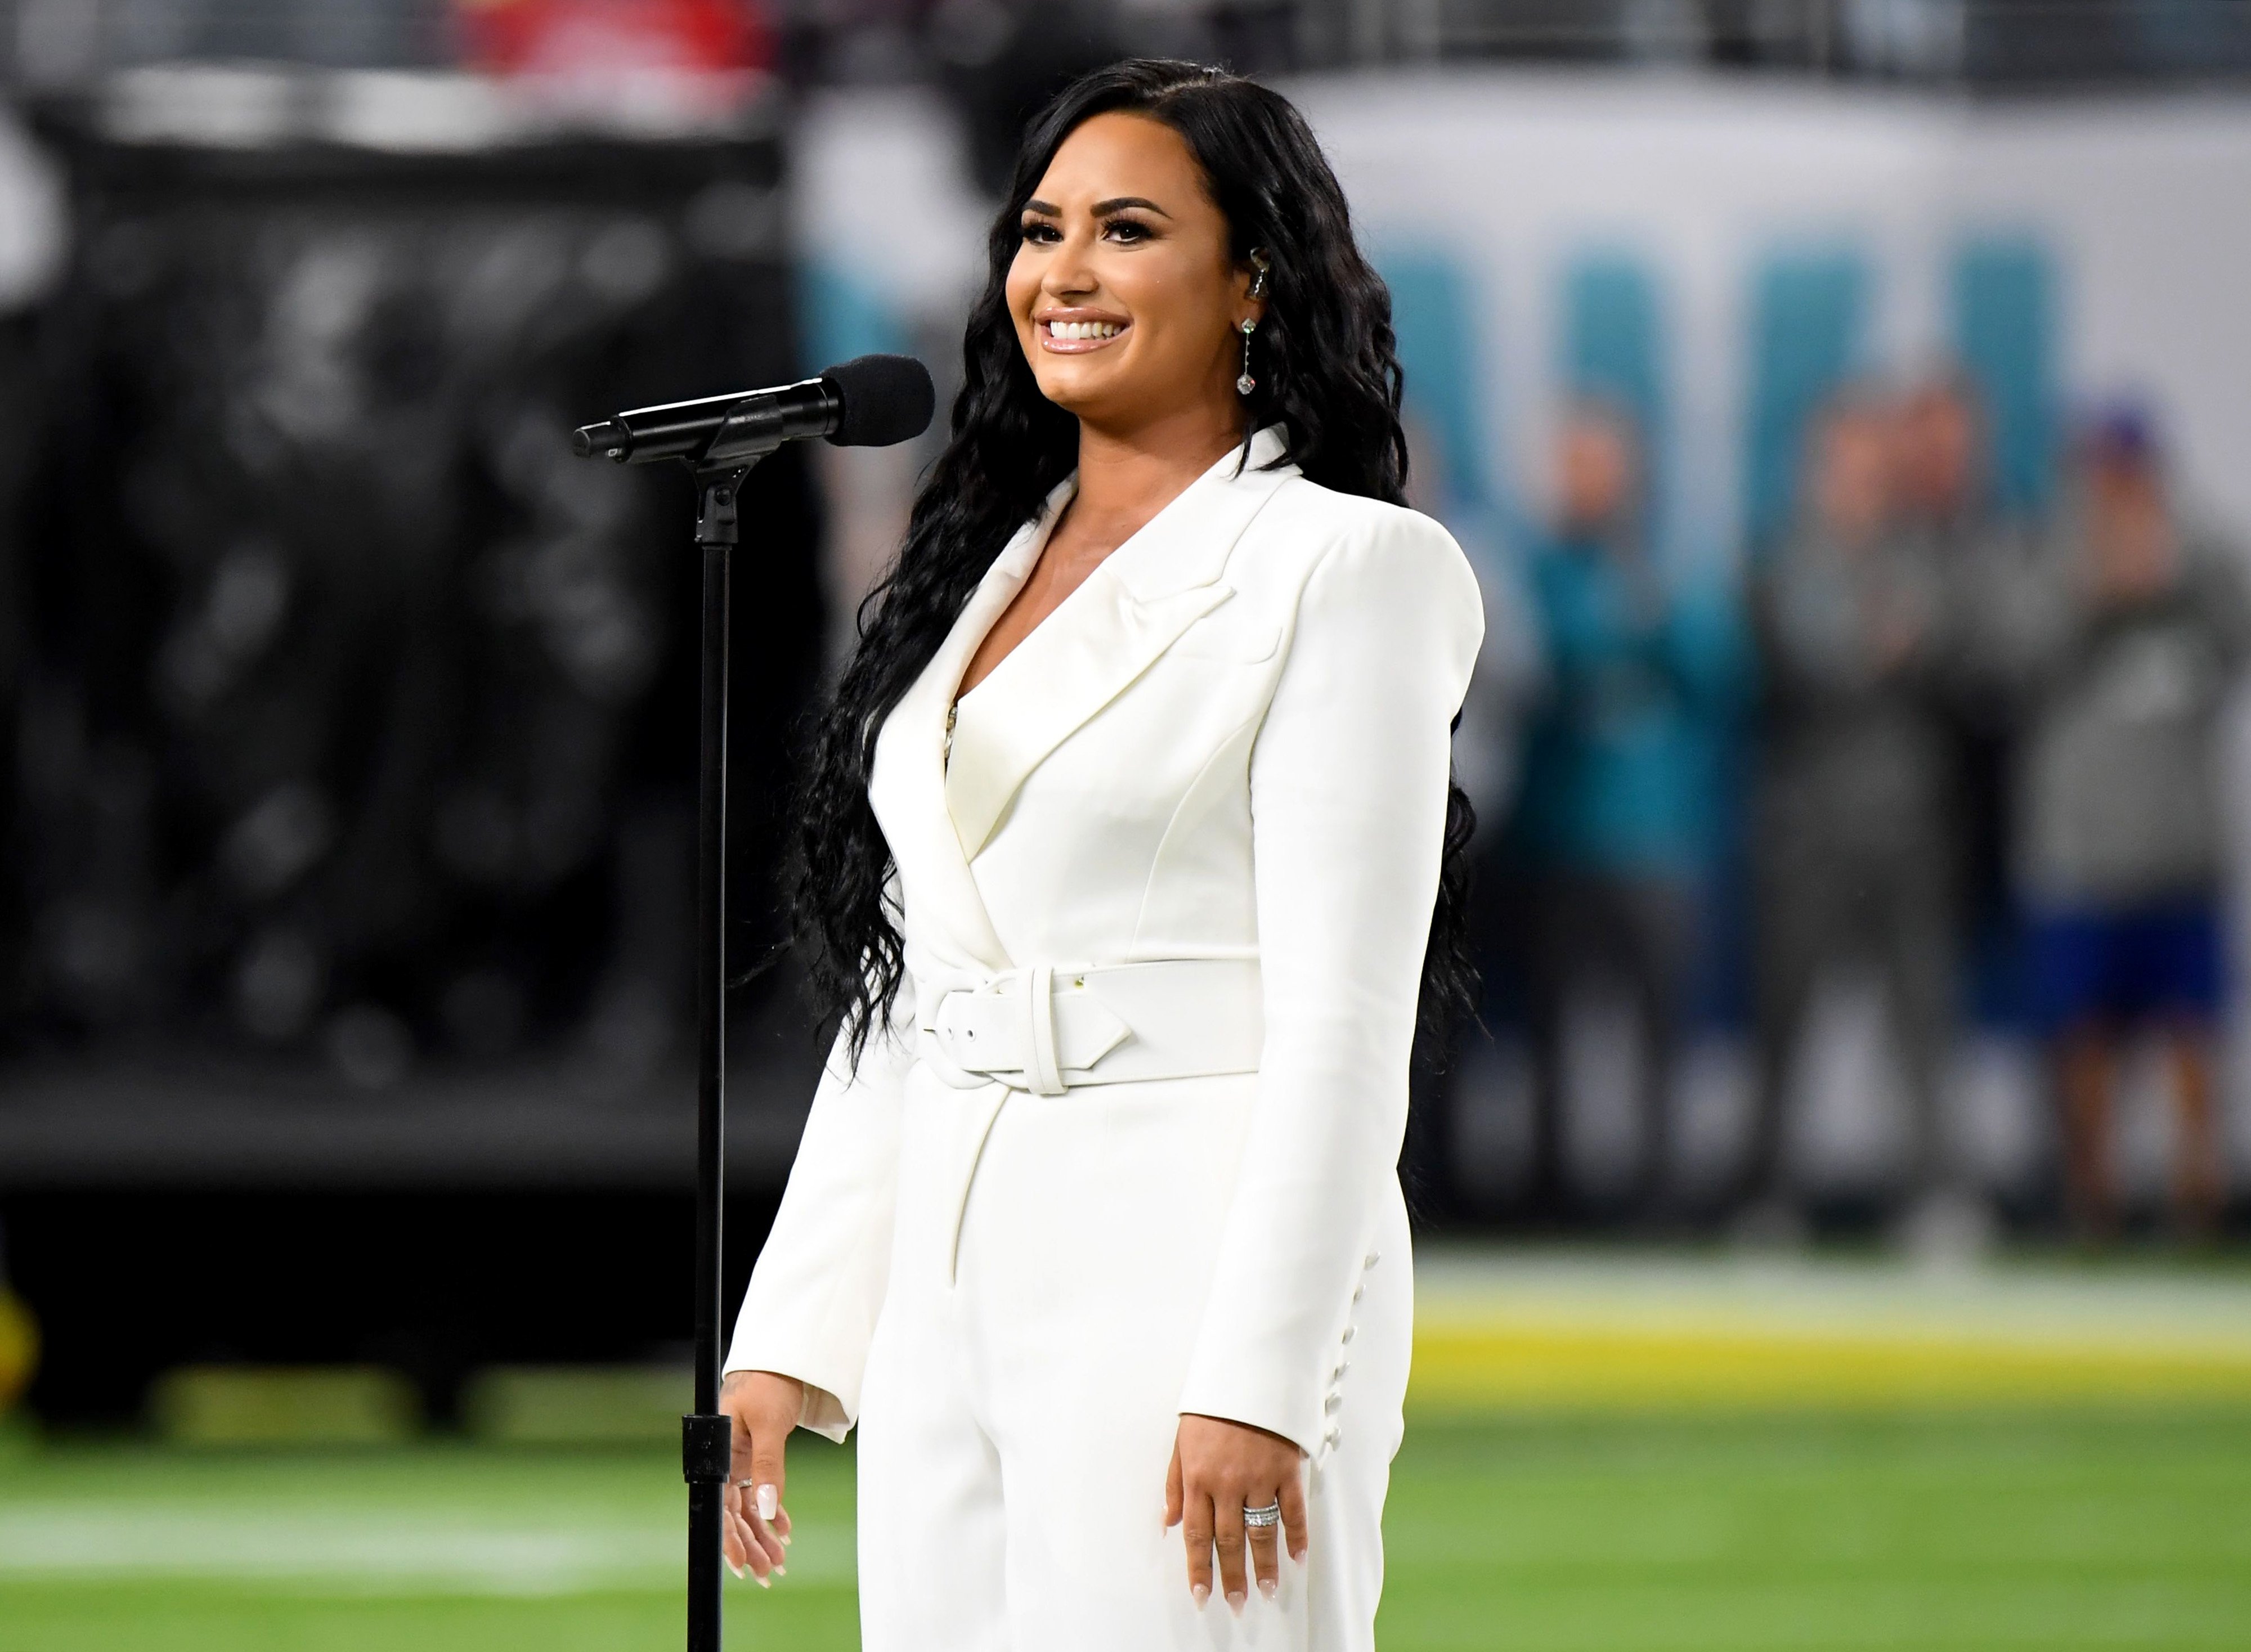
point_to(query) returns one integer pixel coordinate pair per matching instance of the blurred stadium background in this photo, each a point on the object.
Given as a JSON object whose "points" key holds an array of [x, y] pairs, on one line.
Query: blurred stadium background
{"points": [[1848, 403]]}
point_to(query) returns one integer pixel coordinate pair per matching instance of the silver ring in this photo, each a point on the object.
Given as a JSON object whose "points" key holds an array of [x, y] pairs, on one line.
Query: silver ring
{"points": [[1259, 1519]]}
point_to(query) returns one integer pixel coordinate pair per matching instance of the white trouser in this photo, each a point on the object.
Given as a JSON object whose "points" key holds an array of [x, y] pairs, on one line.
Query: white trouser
{"points": [[1021, 1397]]}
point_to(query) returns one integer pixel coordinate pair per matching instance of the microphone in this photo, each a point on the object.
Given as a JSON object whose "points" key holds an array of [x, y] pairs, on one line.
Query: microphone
{"points": [[870, 401]]}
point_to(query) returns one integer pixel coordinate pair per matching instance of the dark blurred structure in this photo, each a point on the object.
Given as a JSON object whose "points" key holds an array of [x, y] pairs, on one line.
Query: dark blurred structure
{"points": [[57, 43], [1004, 54], [1999, 43], [354, 715], [351, 717]]}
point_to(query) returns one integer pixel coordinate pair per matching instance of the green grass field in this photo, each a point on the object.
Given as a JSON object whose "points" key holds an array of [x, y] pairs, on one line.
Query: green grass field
{"points": [[2125, 1528]]}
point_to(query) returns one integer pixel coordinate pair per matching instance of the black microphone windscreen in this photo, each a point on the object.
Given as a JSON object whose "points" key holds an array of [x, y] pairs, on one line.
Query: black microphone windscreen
{"points": [[887, 398]]}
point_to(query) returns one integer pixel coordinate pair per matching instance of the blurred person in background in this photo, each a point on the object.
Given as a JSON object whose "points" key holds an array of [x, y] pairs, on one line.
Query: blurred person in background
{"points": [[1984, 562], [1615, 821], [2120, 836], [1855, 816]]}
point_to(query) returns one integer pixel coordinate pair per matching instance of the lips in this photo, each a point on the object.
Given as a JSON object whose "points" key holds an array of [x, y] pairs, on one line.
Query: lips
{"points": [[1077, 335]]}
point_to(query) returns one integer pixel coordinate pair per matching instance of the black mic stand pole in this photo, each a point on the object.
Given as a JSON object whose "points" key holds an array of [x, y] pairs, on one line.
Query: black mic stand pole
{"points": [[721, 451], [707, 1441]]}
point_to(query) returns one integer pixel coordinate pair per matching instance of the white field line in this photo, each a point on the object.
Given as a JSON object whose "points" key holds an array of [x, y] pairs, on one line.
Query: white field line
{"points": [[326, 1552]]}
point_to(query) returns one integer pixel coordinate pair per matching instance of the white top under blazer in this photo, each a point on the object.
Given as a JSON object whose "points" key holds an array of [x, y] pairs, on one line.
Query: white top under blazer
{"points": [[1230, 746]]}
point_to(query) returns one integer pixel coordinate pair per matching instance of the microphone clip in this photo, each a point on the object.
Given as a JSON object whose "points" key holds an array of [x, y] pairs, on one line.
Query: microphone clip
{"points": [[719, 489]]}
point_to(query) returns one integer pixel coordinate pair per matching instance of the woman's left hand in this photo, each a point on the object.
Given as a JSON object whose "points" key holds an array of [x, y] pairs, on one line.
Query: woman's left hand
{"points": [[1220, 1468]]}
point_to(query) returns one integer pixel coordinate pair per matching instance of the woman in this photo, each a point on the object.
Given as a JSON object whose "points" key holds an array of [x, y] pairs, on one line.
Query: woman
{"points": [[1121, 848]]}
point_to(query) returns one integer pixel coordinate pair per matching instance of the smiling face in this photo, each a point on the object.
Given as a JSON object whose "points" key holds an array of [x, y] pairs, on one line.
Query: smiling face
{"points": [[1126, 301]]}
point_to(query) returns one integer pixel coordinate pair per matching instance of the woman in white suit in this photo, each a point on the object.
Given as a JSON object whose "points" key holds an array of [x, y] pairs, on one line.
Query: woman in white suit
{"points": [[1121, 851]]}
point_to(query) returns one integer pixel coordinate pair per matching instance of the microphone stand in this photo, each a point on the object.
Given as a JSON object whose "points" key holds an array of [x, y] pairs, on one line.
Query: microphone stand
{"points": [[706, 1435], [720, 455], [754, 428]]}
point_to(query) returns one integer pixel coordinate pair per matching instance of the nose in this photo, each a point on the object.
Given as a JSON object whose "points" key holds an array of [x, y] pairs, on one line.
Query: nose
{"points": [[1067, 273]]}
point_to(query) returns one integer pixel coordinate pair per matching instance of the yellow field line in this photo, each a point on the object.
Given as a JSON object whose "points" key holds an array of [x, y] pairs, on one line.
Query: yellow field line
{"points": [[1506, 1362]]}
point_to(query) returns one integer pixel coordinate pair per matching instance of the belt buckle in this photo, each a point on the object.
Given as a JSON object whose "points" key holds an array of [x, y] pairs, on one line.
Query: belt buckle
{"points": [[1037, 1065]]}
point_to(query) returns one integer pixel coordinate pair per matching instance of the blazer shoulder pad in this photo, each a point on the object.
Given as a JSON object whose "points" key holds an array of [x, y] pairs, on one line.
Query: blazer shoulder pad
{"points": [[1306, 520]]}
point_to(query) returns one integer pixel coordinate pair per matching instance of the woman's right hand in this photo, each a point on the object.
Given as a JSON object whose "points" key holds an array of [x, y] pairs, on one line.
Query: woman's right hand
{"points": [[766, 1407]]}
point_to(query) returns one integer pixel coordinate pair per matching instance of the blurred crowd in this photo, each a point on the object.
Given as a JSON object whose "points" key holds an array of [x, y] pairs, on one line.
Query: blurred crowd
{"points": [[1916, 731]]}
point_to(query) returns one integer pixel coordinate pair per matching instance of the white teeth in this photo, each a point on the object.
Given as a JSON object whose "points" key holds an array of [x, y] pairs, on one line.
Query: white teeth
{"points": [[1084, 330]]}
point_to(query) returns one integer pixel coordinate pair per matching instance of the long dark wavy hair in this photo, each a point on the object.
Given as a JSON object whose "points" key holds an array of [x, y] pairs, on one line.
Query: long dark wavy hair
{"points": [[1328, 373]]}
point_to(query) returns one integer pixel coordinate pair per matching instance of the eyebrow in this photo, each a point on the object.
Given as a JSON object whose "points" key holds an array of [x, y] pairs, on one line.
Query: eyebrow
{"points": [[1102, 208]]}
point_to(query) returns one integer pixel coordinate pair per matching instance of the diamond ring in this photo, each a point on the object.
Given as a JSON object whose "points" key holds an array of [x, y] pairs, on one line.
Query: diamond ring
{"points": [[1259, 1519]]}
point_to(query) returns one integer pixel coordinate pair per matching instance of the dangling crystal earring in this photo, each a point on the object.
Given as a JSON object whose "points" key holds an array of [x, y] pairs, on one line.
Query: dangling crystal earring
{"points": [[1261, 261]]}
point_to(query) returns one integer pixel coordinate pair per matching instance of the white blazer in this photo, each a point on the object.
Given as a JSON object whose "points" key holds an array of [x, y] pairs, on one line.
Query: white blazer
{"points": [[1231, 743]]}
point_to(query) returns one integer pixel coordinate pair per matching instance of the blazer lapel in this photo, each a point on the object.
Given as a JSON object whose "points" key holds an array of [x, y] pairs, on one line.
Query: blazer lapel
{"points": [[1101, 638], [907, 787]]}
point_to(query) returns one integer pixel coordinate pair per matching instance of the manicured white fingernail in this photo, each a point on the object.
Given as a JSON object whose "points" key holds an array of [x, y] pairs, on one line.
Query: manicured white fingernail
{"points": [[785, 1539], [765, 1583], [1268, 1588], [732, 1567], [1202, 1594], [769, 1503], [1235, 1599]]}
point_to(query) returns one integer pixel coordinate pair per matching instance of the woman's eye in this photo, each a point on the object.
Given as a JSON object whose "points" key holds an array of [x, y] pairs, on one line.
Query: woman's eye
{"points": [[1043, 233], [1126, 230]]}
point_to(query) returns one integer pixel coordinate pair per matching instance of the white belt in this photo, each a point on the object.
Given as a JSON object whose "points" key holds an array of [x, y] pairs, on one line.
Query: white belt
{"points": [[1047, 1028]]}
